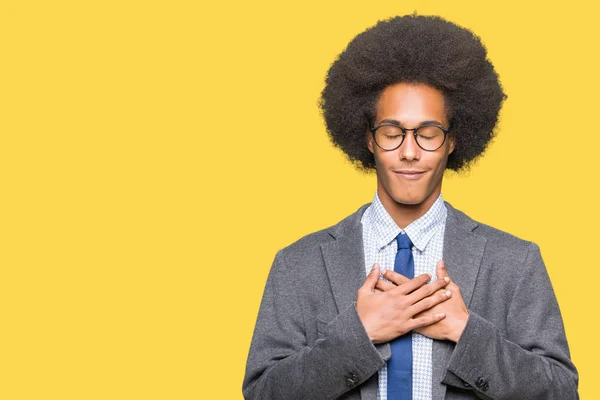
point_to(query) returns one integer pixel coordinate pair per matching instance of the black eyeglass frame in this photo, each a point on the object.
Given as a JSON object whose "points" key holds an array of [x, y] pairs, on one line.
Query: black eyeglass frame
{"points": [[415, 133]]}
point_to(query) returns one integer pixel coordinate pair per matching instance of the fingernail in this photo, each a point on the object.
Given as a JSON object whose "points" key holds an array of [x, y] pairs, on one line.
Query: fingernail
{"points": [[447, 279], [448, 293], [440, 315]]}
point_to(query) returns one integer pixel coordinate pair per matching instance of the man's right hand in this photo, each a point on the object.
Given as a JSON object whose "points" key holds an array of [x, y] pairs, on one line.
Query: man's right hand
{"points": [[389, 314]]}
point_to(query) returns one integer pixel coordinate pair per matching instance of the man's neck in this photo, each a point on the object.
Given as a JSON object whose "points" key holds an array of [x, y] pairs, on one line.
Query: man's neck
{"points": [[404, 214]]}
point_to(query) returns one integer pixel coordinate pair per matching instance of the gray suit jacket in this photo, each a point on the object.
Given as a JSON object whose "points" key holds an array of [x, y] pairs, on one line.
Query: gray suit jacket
{"points": [[309, 343]]}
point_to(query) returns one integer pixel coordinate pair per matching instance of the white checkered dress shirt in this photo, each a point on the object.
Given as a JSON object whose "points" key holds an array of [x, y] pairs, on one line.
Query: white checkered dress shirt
{"points": [[427, 236]]}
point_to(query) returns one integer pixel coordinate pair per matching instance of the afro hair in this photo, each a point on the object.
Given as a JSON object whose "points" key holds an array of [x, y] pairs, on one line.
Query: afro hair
{"points": [[413, 49]]}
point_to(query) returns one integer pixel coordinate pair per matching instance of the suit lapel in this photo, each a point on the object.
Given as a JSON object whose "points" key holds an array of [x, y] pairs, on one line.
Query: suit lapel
{"points": [[463, 252], [344, 260], [345, 263]]}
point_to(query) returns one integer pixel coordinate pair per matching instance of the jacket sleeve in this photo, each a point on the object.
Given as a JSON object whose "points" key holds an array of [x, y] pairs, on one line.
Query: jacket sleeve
{"points": [[531, 359], [282, 365]]}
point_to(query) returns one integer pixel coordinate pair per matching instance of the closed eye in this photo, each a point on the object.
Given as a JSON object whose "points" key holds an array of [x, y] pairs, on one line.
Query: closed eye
{"points": [[426, 137], [393, 136]]}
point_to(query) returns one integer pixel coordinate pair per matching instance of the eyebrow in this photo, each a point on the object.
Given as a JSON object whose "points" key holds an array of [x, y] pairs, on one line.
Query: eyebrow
{"points": [[396, 122]]}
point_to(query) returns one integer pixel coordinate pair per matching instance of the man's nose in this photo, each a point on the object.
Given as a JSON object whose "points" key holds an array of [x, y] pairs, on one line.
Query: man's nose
{"points": [[409, 150]]}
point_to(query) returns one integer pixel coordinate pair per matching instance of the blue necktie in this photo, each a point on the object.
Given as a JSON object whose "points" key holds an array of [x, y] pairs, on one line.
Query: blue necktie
{"points": [[399, 370]]}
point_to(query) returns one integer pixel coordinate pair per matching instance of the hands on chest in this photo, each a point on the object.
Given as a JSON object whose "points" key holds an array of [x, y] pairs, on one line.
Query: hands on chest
{"points": [[389, 309]]}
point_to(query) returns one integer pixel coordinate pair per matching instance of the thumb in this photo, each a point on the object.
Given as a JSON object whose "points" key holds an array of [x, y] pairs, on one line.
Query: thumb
{"points": [[372, 278], [440, 270]]}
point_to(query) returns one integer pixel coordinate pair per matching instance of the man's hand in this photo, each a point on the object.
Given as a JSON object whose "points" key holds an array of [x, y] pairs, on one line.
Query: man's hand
{"points": [[451, 327], [399, 309]]}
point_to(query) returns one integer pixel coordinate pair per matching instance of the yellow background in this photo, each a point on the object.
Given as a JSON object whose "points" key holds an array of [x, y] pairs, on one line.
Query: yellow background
{"points": [[155, 155]]}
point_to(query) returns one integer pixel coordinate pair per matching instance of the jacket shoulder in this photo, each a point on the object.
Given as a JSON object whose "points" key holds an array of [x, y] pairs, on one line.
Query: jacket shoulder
{"points": [[312, 242], [497, 240]]}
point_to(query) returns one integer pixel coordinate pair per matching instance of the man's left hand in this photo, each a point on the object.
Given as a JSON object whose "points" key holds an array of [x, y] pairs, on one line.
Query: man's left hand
{"points": [[449, 328]]}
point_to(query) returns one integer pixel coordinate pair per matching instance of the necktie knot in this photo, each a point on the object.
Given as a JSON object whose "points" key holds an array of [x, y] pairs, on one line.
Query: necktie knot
{"points": [[403, 241]]}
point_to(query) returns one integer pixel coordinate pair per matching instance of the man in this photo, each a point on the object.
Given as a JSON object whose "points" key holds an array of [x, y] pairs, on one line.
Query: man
{"points": [[450, 308]]}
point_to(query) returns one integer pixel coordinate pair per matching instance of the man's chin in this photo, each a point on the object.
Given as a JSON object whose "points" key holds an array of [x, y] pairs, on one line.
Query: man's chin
{"points": [[409, 201]]}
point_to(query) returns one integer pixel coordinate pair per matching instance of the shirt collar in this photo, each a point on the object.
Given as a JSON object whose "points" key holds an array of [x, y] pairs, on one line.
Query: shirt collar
{"points": [[420, 231]]}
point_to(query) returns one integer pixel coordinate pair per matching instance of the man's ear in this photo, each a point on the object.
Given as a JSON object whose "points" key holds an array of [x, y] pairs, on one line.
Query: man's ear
{"points": [[452, 143], [369, 138]]}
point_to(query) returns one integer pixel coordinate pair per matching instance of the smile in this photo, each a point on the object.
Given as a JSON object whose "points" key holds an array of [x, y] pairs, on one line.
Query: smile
{"points": [[409, 174]]}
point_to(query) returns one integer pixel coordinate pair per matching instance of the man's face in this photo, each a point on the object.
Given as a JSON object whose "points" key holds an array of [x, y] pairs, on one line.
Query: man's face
{"points": [[409, 175]]}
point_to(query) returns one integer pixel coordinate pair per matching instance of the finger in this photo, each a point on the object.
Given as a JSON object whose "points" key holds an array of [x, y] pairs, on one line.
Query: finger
{"points": [[426, 320], [395, 277], [372, 279], [413, 284], [384, 285], [429, 302], [440, 270], [427, 290]]}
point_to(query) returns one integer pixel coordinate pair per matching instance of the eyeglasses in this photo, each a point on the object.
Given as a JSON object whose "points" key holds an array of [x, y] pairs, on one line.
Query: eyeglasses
{"points": [[429, 137]]}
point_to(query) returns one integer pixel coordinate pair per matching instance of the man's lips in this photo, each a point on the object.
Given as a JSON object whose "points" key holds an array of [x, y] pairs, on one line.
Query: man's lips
{"points": [[409, 173]]}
